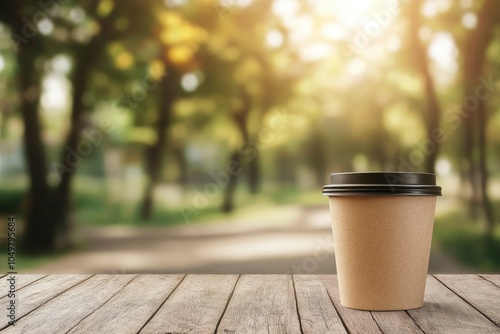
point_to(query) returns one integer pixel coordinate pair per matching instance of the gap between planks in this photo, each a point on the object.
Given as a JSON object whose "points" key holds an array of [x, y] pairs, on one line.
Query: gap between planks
{"points": [[227, 303], [43, 279], [446, 280], [161, 304]]}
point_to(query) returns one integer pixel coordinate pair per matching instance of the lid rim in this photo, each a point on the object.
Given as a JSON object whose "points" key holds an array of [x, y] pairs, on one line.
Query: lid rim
{"points": [[382, 183]]}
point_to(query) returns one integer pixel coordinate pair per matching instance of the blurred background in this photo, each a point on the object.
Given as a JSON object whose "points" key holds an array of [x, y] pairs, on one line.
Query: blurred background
{"points": [[195, 135]]}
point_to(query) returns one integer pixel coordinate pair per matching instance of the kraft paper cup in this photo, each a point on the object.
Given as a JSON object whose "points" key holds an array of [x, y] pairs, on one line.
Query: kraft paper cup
{"points": [[382, 229]]}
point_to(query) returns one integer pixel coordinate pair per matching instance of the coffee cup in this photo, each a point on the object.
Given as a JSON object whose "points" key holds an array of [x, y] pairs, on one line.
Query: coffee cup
{"points": [[382, 226]]}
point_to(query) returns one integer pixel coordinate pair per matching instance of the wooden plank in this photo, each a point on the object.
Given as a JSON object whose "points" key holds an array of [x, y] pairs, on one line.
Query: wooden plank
{"points": [[132, 307], [316, 311], [261, 304], [445, 312], [395, 322], [195, 306], [41, 291], [495, 279], [21, 281], [61, 314], [483, 295], [356, 321]]}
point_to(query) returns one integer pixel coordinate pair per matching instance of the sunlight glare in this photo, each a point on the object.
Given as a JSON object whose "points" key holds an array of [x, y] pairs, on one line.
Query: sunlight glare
{"points": [[77, 15], [61, 64], [285, 8], [350, 12], [443, 166], [189, 82], [45, 26], [443, 50], [356, 66], [303, 29], [469, 20], [332, 31], [316, 52], [274, 39], [55, 92], [2, 63], [429, 9]]}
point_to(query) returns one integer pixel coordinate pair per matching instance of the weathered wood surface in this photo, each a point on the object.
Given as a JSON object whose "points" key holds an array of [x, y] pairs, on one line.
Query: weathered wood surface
{"points": [[356, 321], [477, 291], [228, 304], [133, 306], [261, 304], [61, 314], [21, 281], [39, 292], [317, 313], [445, 312], [495, 279], [195, 307]]}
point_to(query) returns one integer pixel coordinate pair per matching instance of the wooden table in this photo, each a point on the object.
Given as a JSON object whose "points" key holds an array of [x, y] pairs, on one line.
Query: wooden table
{"points": [[238, 304]]}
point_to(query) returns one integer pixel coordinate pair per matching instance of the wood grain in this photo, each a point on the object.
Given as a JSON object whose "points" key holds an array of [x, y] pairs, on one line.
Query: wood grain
{"points": [[131, 308], [261, 304], [21, 281], [483, 295], [495, 279], [34, 295], [395, 322], [316, 311], [60, 314], [445, 312], [356, 321], [195, 306]]}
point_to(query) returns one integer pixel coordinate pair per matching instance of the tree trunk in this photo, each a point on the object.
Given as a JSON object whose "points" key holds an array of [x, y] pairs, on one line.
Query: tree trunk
{"points": [[254, 174], [483, 171], [469, 167], [179, 154], [38, 236], [240, 116], [432, 106], [229, 193], [61, 202], [155, 153], [474, 57]]}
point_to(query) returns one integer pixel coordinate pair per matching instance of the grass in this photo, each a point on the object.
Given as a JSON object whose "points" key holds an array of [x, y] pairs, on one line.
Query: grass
{"points": [[467, 241], [93, 206]]}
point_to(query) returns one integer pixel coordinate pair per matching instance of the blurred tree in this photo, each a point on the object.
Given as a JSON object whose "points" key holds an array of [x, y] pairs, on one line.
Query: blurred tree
{"points": [[474, 54], [179, 41], [47, 219], [432, 112], [28, 44], [155, 152]]}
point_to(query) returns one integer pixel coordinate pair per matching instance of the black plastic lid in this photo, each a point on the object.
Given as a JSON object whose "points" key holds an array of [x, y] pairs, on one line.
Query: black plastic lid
{"points": [[382, 183]]}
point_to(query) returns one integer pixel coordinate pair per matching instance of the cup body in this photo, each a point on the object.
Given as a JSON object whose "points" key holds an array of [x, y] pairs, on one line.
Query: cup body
{"points": [[382, 245]]}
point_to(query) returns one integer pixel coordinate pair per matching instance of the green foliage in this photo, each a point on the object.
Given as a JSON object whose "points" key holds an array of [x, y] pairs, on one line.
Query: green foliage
{"points": [[467, 241]]}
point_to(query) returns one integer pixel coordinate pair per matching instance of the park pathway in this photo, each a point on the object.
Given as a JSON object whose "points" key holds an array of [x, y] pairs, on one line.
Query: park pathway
{"points": [[301, 242]]}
